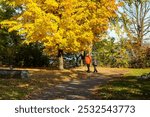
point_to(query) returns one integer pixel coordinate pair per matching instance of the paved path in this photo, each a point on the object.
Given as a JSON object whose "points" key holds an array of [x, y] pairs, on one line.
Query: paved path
{"points": [[77, 89]]}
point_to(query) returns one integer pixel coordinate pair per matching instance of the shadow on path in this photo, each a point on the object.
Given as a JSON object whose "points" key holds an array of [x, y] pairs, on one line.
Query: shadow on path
{"points": [[81, 88]]}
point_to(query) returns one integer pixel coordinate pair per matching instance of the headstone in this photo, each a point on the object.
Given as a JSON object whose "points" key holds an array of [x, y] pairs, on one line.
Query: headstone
{"points": [[144, 77], [24, 74]]}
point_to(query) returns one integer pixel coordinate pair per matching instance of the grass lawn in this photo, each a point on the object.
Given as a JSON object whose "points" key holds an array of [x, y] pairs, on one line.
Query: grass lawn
{"points": [[40, 79], [126, 87]]}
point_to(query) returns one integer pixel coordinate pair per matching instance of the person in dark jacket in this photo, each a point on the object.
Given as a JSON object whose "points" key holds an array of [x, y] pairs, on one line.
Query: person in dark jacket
{"points": [[94, 62]]}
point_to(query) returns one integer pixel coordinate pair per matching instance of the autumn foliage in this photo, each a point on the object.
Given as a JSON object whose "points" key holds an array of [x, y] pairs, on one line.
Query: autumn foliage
{"points": [[69, 25]]}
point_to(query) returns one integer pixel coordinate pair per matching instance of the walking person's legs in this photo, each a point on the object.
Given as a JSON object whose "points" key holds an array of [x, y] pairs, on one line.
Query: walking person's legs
{"points": [[95, 70], [88, 67]]}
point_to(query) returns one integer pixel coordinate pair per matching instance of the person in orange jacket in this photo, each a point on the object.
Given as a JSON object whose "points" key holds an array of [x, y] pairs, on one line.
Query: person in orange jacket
{"points": [[88, 60]]}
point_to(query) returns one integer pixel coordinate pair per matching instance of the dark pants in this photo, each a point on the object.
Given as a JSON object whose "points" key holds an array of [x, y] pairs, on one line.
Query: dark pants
{"points": [[88, 67], [95, 70]]}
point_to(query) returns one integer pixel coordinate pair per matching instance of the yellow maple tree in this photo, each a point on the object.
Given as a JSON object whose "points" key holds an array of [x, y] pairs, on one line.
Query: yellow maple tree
{"points": [[62, 25]]}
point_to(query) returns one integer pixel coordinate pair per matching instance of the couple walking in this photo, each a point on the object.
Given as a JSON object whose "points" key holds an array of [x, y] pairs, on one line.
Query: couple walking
{"points": [[88, 60]]}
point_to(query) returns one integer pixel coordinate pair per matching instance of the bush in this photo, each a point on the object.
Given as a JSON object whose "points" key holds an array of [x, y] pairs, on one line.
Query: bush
{"points": [[31, 56], [142, 58]]}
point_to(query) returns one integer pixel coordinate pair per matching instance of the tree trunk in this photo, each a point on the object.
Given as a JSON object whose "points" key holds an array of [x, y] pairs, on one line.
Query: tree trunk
{"points": [[82, 58], [81, 62], [60, 57], [77, 60]]}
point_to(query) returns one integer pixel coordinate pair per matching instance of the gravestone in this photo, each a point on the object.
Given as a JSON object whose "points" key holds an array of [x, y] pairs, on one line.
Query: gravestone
{"points": [[144, 77], [4, 73]]}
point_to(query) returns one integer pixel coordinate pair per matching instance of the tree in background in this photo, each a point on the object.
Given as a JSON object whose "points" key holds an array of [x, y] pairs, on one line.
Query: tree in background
{"points": [[9, 41], [136, 20], [110, 53], [12, 50], [62, 25], [133, 27]]}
